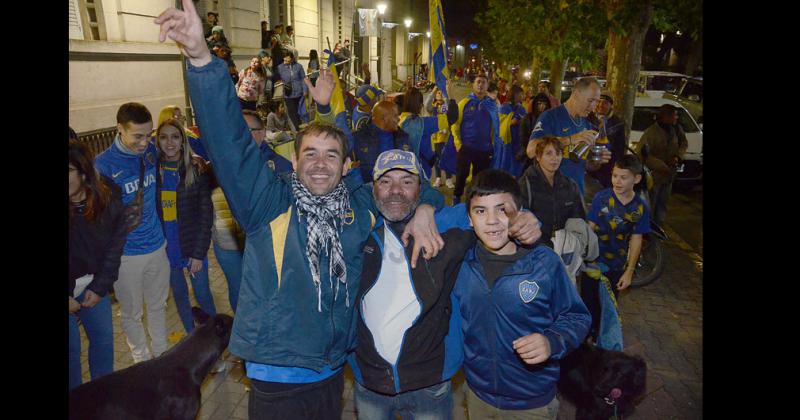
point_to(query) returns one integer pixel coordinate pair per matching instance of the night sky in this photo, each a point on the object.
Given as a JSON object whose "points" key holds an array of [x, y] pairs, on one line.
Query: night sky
{"points": [[459, 15]]}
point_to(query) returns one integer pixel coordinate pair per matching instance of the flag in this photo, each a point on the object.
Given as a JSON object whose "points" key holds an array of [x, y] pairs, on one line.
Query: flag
{"points": [[368, 22], [438, 47], [337, 99], [508, 162]]}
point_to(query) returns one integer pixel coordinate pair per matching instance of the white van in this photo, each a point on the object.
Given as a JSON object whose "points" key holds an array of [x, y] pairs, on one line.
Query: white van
{"points": [[655, 83]]}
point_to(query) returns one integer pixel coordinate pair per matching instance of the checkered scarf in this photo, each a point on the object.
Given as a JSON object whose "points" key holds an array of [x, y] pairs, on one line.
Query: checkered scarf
{"points": [[323, 216]]}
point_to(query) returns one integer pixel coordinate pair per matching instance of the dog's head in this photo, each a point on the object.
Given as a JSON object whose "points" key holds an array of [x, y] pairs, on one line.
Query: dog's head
{"points": [[218, 326], [619, 381]]}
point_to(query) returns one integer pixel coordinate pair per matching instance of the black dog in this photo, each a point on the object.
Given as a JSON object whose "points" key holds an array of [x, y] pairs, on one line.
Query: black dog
{"points": [[602, 382], [167, 387]]}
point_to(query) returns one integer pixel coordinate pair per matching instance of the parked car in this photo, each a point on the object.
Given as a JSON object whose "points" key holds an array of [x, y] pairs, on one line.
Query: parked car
{"points": [[645, 111], [655, 83], [690, 95]]}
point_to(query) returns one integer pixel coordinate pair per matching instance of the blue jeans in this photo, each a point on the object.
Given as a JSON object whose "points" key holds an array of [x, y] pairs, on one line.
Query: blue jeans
{"points": [[231, 263], [96, 322], [660, 196], [180, 292], [432, 403]]}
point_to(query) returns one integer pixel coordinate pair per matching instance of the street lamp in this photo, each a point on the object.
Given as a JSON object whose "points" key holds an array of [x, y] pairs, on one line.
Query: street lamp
{"points": [[407, 21], [428, 33], [381, 8]]}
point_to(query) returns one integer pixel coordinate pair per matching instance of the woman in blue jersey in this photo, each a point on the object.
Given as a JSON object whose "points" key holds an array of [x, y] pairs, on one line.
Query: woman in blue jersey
{"points": [[185, 210]]}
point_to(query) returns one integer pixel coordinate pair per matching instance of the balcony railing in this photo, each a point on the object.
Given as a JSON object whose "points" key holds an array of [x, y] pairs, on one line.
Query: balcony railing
{"points": [[98, 140]]}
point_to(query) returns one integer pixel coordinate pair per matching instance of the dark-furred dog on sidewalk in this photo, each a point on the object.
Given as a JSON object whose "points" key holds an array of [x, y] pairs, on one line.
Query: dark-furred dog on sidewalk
{"points": [[167, 387], [602, 383]]}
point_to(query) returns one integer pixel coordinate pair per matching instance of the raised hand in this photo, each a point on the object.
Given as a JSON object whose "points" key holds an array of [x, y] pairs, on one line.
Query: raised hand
{"points": [[426, 236], [185, 28], [322, 92], [523, 225]]}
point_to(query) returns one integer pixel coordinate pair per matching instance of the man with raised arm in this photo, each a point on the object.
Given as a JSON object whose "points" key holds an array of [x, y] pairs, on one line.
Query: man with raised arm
{"points": [[305, 232]]}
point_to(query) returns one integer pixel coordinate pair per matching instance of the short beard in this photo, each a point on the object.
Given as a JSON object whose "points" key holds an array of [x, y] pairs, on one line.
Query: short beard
{"points": [[379, 204]]}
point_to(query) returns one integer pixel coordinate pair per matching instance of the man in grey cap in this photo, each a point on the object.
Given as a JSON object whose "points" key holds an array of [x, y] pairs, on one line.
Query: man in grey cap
{"points": [[408, 345]]}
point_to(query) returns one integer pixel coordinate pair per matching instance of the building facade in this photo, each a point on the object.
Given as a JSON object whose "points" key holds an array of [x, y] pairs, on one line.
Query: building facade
{"points": [[115, 56]]}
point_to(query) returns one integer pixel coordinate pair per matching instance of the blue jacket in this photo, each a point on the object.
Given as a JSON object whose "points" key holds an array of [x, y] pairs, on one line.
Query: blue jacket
{"points": [[478, 124], [419, 131], [296, 75], [277, 321], [367, 146], [124, 170], [534, 295]]}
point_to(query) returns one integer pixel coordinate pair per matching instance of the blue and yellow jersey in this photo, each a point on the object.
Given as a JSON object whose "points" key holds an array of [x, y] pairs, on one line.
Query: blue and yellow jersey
{"points": [[616, 222], [169, 210]]}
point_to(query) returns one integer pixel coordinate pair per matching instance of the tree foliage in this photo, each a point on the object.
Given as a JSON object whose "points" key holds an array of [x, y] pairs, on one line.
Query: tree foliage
{"points": [[515, 31], [686, 16]]}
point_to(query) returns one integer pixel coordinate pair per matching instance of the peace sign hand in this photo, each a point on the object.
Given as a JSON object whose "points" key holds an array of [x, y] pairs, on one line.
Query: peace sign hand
{"points": [[184, 27]]}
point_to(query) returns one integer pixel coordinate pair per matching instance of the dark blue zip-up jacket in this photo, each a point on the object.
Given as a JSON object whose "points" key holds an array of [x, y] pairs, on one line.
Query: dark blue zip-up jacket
{"points": [[478, 124], [533, 295], [277, 321]]}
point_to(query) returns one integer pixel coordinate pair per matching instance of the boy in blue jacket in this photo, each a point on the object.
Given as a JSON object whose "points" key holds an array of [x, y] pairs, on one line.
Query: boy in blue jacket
{"points": [[520, 313]]}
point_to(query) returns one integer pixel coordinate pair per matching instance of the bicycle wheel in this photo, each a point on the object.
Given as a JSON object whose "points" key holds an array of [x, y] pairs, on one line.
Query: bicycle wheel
{"points": [[651, 262]]}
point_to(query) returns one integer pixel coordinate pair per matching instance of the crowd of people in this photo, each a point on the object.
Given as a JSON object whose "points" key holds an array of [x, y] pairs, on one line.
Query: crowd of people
{"points": [[321, 252]]}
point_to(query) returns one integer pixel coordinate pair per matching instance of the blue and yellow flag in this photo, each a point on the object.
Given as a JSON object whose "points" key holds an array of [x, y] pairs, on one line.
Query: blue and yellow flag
{"points": [[338, 109], [337, 99], [437, 55]]}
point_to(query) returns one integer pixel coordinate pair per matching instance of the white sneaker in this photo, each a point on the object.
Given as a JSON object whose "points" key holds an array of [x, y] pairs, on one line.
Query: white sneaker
{"points": [[437, 183], [450, 184]]}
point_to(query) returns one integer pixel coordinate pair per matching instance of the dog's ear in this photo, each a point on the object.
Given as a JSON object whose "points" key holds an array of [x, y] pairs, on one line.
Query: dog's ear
{"points": [[200, 317]]}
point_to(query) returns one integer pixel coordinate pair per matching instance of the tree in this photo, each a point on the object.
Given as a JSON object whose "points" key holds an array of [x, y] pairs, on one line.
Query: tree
{"points": [[560, 31], [629, 22], [552, 31], [684, 17]]}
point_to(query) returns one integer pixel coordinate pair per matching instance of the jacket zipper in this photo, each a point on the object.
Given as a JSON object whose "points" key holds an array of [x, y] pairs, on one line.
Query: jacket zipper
{"points": [[493, 339], [333, 330]]}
